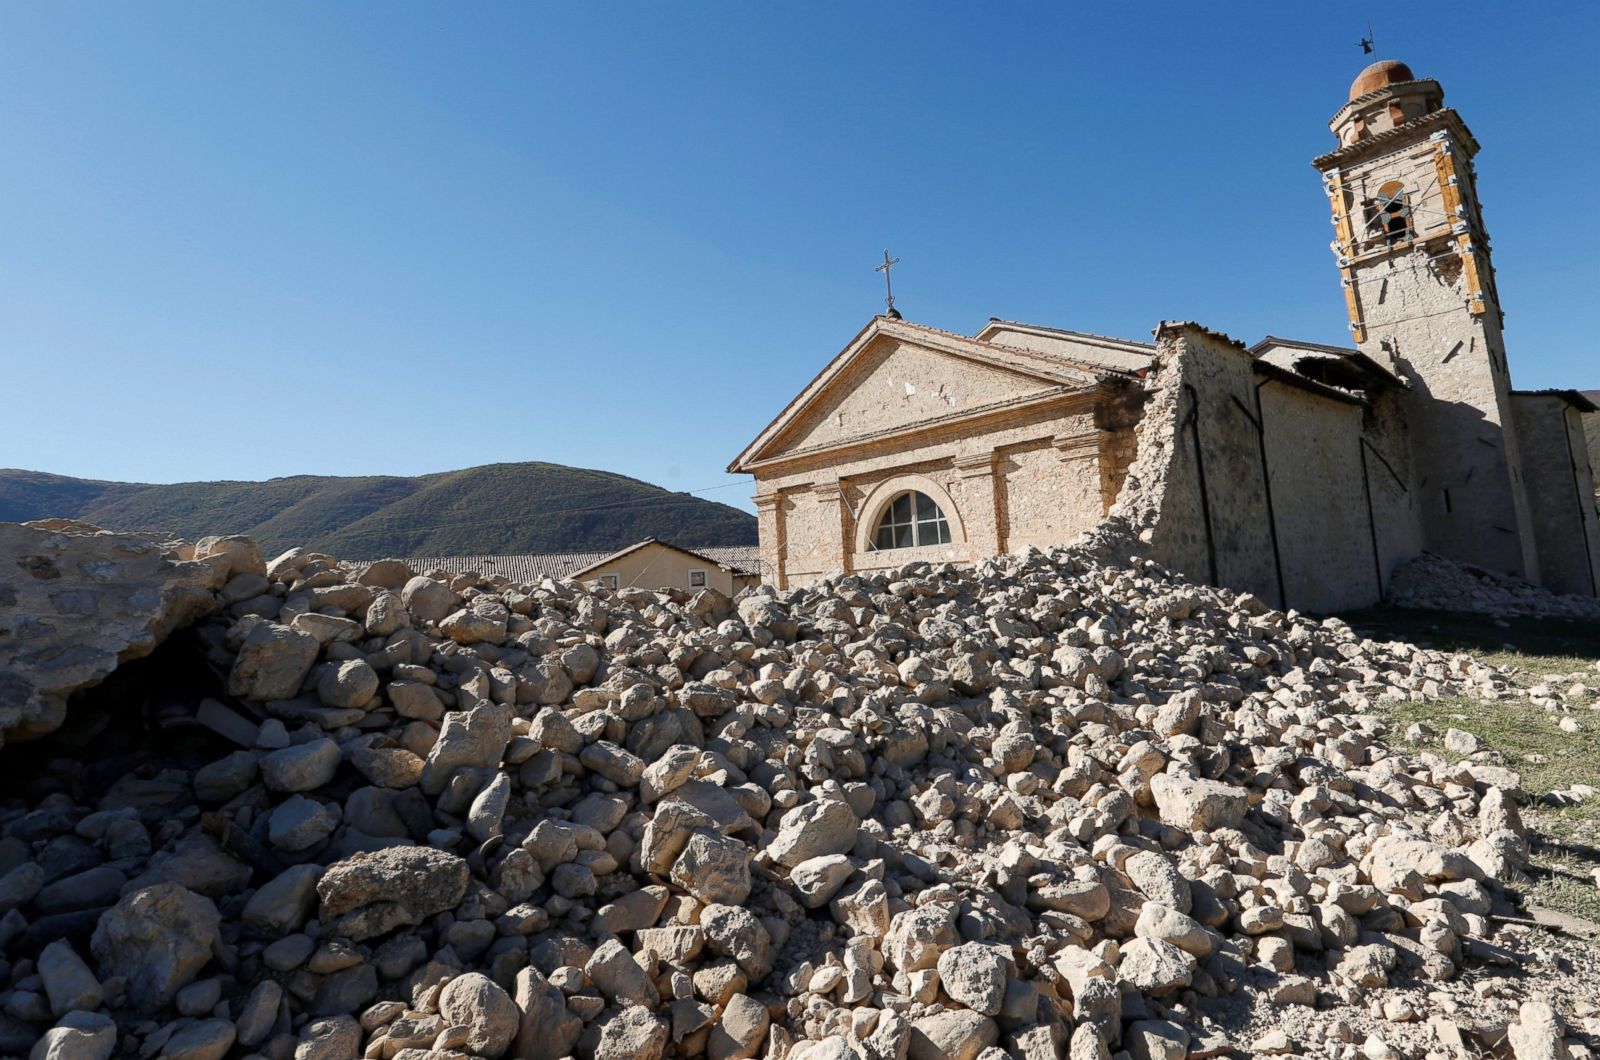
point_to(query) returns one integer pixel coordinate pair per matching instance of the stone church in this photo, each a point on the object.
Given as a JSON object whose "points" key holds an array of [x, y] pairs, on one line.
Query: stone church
{"points": [[1302, 472]]}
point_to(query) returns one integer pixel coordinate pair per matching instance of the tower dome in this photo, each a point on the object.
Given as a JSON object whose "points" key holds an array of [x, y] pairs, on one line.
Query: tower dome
{"points": [[1384, 95], [1378, 75]]}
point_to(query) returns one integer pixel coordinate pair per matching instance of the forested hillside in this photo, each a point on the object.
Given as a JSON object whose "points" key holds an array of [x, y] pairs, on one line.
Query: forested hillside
{"points": [[497, 508]]}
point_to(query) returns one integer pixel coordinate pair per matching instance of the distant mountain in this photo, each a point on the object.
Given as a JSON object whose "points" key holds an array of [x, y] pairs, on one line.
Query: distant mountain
{"points": [[495, 509]]}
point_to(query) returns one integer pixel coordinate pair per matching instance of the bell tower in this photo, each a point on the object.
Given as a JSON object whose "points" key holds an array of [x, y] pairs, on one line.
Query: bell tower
{"points": [[1413, 257]]}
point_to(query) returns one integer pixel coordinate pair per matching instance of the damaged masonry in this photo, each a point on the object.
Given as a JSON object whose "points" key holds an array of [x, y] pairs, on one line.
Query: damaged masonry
{"points": [[1060, 804], [1305, 473]]}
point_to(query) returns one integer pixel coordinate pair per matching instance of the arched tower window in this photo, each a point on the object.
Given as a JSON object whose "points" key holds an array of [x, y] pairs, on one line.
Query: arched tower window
{"points": [[1389, 215], [910, 519]]}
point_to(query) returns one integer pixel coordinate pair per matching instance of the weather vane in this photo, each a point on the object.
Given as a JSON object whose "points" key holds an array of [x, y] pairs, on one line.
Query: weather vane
{"points": [[1369, 42], [888, 286]]}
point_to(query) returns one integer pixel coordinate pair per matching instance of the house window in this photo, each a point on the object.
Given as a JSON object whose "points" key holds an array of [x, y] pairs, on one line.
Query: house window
{"points": [[607, 581], [697, 579], [910, 519]]}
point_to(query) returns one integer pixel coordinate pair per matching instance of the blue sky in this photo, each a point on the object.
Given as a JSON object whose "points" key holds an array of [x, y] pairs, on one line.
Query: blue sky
{"points": [[245, 240]]}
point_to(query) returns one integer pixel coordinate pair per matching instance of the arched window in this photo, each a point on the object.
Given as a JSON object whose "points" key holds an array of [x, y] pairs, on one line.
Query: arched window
{"points": [[910, 519], [1389, 214]]}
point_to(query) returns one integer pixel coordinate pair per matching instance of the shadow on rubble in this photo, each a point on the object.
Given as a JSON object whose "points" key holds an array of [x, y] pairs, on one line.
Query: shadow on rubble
{"points": [[136, 722], [1461, 631], [118, 749]]}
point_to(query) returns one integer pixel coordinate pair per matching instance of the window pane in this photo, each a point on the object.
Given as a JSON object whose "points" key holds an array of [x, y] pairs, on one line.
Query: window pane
{"points": [[902, 508], [926, 509], [944, 532], [902, 536], [884, 537]]}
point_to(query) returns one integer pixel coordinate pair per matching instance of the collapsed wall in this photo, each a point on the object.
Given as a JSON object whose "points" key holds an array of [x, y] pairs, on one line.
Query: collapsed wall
{"points": [[1252, 477], [1193, 494], [1044, 805]]}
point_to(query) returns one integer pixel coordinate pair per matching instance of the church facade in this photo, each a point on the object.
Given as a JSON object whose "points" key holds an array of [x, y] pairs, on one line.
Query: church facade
{"points": [[1302, 472]]}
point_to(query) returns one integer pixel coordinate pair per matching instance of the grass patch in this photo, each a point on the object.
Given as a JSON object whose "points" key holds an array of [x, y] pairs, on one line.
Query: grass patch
{"points": [[1565, 842]]}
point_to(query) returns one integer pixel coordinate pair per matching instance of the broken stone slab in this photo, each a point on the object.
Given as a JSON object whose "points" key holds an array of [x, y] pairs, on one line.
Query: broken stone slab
{"points": [[469, 739], [79, 602], [814, 829], [371, 893], [1197, 805]]}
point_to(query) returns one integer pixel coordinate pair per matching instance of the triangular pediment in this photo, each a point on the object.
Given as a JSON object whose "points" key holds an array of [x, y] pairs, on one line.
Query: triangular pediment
{"points": [[896, 377]]}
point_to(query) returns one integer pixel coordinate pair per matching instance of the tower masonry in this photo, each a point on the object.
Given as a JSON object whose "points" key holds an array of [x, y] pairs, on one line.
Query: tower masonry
{"points": [[1414, 261]]}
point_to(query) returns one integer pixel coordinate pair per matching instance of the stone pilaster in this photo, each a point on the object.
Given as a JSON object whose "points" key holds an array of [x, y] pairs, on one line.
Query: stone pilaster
{"points": [[769, 527], [836, 522], [975, 492]]}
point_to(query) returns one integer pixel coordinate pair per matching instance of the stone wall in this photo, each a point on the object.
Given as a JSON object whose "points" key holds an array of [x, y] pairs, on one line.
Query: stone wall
{"points": [[1325, 532], [1300, 511], [1031, 479], [897, 383], [1051, 490], [1560, 489], [1390, 481], [1591, 434], [1194, 493]]}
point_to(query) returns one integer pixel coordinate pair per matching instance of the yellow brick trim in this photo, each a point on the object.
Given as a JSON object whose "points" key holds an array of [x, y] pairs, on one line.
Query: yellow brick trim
{"points": [[1444, 161], [1345, 232]]}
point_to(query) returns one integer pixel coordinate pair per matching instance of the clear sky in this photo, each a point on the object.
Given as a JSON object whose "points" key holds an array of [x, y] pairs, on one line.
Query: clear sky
{"points": [[243, 240]]}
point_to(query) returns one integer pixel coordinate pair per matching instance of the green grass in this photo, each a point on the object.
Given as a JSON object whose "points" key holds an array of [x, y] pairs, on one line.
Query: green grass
{"points": [[1565, 842]]}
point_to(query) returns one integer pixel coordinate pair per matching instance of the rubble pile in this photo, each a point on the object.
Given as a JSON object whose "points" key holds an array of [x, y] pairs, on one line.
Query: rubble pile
{"points": [[75, 603], [1434, 583], [1044, 806]]}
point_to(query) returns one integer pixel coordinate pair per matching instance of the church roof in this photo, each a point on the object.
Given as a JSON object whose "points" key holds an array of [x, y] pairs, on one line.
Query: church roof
{"points": [[1100, 369], [747, 565], [1340, 366], [1123, 356], [1113, 340], [1262, 366], [1065, 373]]}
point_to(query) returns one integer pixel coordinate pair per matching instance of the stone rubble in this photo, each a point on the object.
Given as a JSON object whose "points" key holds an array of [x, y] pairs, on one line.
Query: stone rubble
{"points": [[1434, 583], [76, 602], [1048, 806]]}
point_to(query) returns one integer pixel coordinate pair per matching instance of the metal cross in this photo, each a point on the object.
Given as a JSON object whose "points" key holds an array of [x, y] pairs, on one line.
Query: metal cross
{"points": [[888, 286]]}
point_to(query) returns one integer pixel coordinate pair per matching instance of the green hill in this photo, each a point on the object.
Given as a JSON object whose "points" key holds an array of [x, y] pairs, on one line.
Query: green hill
{"points": [[498, 508]]}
